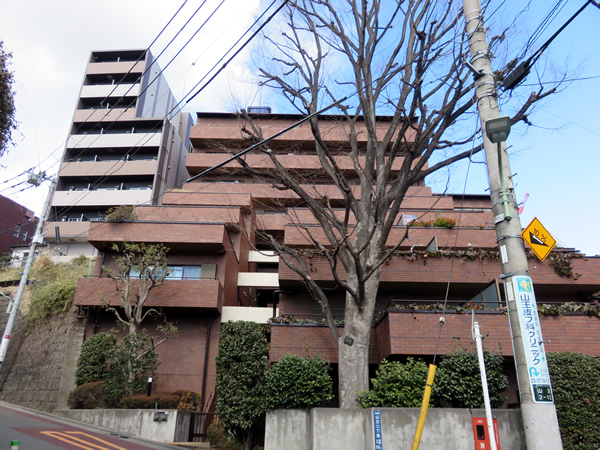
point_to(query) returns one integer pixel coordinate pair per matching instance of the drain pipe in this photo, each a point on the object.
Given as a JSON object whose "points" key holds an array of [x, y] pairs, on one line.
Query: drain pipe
{"points": [[205, 370], [276, 293]]}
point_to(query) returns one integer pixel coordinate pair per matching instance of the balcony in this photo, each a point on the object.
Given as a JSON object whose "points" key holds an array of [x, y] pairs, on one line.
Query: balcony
{"points": [[104, 115], [112, 90], [258, 280], [69, 231], [192, 198], [116, 140], [428, 276], [203, 294], [415, 333], [266, 194], [121, 67], [418, 237], [198, 162], [101, 168], [181, 236], [174, 214], [404, 332], [226, 127], [101, 197]]}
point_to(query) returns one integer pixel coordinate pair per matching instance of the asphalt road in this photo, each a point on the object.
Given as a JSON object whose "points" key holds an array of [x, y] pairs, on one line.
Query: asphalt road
{"points": [[41, 431]]}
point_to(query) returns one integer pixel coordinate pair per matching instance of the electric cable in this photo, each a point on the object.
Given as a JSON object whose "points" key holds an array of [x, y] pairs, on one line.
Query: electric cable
{"points": [[443, 318], [129, 152]]}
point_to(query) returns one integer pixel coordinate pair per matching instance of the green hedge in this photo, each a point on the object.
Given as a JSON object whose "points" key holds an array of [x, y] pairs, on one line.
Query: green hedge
{"points": [[576, 385], [396, 385], [87, 396], [458, 380], [92, 363], [298, 382]]}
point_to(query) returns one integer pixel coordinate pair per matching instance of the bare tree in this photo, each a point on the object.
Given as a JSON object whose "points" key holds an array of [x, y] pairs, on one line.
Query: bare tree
{"points": [[404, 60], [140, 269]]}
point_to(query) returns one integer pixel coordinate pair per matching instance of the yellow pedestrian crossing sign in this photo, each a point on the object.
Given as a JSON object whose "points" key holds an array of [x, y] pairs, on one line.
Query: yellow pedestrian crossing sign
{"points": [[539, 239]]}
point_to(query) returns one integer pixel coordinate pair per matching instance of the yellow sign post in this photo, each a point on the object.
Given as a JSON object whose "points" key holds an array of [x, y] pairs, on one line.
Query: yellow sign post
{"points": [[539, 239]]}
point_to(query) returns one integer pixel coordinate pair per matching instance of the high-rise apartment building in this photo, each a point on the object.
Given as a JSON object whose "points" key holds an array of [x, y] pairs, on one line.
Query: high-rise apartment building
{"points": [[126, 146]]}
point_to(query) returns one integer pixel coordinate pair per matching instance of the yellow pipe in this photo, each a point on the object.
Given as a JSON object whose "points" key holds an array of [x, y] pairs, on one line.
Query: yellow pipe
{"points": [[424, 407]]}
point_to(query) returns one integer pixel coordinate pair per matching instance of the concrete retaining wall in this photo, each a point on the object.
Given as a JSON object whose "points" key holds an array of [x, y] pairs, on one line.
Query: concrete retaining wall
{"points": [[135, 422], [327, 428]]}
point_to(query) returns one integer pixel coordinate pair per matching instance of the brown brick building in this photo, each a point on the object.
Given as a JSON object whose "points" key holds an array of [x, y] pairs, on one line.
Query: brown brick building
{"points": [[212, 223]]}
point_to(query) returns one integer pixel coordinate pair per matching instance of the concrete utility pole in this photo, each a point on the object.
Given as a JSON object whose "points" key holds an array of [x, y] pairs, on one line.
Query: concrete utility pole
{"points": [[537, 402], [37, 239]]}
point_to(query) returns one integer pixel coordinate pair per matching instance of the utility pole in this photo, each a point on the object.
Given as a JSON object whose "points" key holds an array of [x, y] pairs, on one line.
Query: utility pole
{"points": [[37, 240], [540, 422]]}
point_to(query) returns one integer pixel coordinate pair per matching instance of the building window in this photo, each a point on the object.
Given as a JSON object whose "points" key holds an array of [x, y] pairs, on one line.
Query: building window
{"points": [[176, 273], [17, 231], [25, 235]]}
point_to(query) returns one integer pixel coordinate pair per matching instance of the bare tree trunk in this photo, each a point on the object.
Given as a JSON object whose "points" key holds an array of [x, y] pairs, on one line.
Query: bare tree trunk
{"points": [[353, 346]]}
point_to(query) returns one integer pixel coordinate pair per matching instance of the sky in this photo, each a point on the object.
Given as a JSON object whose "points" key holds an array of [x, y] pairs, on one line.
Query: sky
{"points": [[556, 161]]}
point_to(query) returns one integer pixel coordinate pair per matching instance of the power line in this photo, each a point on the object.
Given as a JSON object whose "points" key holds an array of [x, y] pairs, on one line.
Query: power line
{"points": [[176, 107]]}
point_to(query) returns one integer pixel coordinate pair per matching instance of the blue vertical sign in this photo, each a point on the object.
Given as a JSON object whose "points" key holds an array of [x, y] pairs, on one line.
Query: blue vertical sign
{"points": [[537, 365], [377, 430]]}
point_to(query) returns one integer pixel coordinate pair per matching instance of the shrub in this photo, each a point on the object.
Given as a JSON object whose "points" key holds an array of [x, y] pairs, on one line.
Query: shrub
{"points": [[458, 380], [218, 438], [132, 361], [241, 364], [87, 396], [120, 214], [396, 385], [298, 382], [576, 386], [185, 400], [55, 286], [92, 365]]}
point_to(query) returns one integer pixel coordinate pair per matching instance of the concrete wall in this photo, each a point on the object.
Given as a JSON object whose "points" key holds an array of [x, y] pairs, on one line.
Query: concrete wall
{"points": [[135, 422], [326, 428]]}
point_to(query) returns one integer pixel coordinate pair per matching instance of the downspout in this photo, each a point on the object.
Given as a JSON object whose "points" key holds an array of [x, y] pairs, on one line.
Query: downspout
{"points": [[206, 349], [276, 293]]}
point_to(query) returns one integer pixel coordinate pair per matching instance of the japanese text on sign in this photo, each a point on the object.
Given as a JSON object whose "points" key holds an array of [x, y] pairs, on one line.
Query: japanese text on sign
{"points": [[377, 430], [537, 366]]}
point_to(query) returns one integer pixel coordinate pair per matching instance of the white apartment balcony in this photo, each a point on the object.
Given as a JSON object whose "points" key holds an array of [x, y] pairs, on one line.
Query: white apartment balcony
{"points": [[112, 90], [115, 67], [257, 315], [101, 197], [101, 168], [116, 140], [107, 115], [264, 256], [258, 279]]}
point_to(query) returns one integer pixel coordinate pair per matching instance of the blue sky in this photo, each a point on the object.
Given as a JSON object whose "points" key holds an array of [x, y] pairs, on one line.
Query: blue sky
{"points": [[556, 161]]}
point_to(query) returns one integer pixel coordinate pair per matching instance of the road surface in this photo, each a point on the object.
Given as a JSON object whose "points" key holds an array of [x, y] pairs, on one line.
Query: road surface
{"points": [[40, 431]]}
